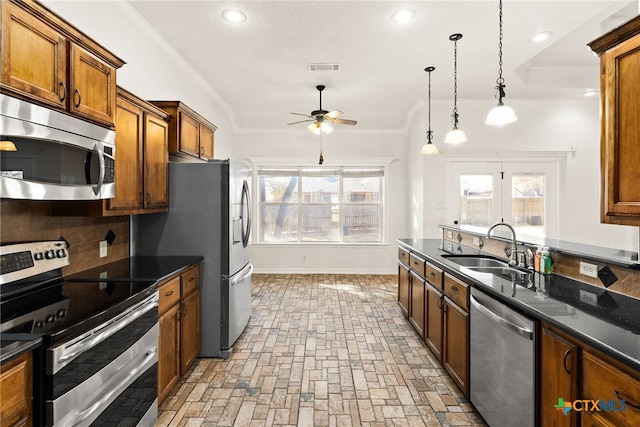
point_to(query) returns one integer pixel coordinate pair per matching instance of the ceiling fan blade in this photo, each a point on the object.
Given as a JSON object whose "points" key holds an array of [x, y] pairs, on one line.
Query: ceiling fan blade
{"points": [[300, 114], [301, 121], [343, 121], [333, 114]]}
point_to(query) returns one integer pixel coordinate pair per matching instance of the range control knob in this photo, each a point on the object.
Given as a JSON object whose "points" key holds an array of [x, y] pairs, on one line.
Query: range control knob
{"points": [[38, 256], [50, 318], [50, 254], [61, 313], [61, 253], [39, 324]]}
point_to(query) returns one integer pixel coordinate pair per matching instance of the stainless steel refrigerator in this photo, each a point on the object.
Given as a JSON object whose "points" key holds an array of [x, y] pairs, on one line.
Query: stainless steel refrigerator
{"points": [[209, 215]]}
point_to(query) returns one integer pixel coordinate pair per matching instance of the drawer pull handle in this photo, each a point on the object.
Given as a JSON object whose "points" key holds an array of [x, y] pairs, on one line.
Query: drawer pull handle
{"points": [[454, 288], [168, 294], [79, 98], [564, 361], [619, 396], [191, 279], [64, 91], [440, 301], [433, 274]]}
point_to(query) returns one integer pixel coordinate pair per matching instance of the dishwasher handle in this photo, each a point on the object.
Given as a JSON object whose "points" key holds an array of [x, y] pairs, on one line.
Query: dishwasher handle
{"points": [[500, 320]]}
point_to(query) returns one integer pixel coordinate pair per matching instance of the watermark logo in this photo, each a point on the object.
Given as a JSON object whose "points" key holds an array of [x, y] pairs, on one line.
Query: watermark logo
{"points": [[586, 405]]}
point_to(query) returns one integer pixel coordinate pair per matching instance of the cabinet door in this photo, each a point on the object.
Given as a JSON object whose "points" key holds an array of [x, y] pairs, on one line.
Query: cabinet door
{"points": [[34, 57], [92, 87], [189, 134], [206, 142], [128, 173], [156, 162], [17, 391], [559, 378], [433, 320], [190, 331], [456, 344], [168, 351], [620, 149], [417, 303], [404, 283]]}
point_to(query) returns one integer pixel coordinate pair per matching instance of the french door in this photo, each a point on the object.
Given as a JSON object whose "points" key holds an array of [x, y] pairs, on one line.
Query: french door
{"points": [[521, 193]]}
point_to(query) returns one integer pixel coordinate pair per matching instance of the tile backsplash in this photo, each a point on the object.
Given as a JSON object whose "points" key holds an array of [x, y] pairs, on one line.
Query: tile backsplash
{"points": [[25, 220]]}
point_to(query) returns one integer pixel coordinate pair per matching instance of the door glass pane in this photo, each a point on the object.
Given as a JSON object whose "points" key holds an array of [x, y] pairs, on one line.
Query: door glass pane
{"points": [[527, 204], [476, 199]]}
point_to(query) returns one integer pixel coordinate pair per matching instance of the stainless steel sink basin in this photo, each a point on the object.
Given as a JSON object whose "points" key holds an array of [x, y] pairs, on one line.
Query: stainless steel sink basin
{"points": [[476, 261]]}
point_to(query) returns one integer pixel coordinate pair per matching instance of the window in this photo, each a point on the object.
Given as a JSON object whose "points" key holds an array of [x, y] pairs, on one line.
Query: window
{"points": [[337, 205], [522, 194]]}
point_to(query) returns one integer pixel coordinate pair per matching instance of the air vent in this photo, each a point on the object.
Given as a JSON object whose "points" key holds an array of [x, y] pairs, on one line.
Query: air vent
{"points": [[324, 67]]}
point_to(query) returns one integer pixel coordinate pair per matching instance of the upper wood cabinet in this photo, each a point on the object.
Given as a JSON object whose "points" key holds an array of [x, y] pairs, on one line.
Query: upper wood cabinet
{"points": [[619, 52], [141, 158], [47, 61], [189, 132]]}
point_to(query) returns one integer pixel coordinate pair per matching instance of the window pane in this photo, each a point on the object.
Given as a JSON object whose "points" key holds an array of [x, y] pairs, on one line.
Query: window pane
{"points": [[527, 204], [476, 200], [362, 223], [278, 223], [279, 189], [320, 223], [362, 189], [320, 189]]}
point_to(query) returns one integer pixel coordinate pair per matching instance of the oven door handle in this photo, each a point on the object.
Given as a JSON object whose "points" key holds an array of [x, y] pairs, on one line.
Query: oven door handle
{"points": [[117, 389], [95, 337]]}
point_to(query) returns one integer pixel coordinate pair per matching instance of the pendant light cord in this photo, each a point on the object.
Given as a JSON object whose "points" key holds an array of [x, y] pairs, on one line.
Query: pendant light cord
{"points": [[500, 81], [455, 38], [429, 132]]}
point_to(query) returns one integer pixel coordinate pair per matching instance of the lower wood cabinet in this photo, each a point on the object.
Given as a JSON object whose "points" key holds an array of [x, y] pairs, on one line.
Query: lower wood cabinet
{"points": [[179, 339], [16, 385], [416, 315], [404, 287], [455, 355], [434, 300], [558, 379]]}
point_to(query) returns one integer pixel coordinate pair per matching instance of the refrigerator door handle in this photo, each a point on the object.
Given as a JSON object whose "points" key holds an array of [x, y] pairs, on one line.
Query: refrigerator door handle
{"points": [[242, 275], [245, 202]]}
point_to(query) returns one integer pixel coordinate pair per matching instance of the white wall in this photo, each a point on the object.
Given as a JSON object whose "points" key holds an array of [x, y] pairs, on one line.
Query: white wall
{"points": [[542, 126]]}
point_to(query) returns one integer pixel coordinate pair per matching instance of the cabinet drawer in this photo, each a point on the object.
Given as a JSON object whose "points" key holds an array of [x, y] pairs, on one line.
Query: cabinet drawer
{"points": [[434, 276], [418, 265], [403, 256], [457, 291], [169, 294], [604, 382], [190, 281]]}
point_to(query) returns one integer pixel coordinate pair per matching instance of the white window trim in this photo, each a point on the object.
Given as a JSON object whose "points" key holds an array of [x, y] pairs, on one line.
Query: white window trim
{"points": [[275, 162]]}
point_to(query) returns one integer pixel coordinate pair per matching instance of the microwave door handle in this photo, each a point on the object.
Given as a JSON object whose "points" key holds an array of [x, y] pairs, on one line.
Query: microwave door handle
{"points": [[98, 187]]}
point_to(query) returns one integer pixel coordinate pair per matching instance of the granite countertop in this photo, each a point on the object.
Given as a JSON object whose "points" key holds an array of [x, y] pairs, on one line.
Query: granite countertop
{"points": [[11, 348], [139, 268], [611, 325]]}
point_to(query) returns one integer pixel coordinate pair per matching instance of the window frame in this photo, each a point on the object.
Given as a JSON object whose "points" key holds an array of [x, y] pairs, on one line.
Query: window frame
{"points": [[382, 165]]}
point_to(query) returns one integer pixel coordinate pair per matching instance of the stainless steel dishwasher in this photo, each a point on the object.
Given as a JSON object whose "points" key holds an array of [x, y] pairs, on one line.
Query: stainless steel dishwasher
{"points": [[502, 362]]}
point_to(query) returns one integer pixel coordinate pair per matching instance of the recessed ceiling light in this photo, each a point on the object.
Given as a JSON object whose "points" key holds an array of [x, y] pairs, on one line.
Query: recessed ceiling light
{"points": [[234, 16], [542, 36], [590, 92], [403, 15]]}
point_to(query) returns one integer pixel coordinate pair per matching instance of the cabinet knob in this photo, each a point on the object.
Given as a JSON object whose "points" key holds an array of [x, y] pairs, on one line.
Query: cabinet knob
{"points": [[148, 199], [454, 288], [64, 91], [168, 294], [77, 92], [564, 361]]}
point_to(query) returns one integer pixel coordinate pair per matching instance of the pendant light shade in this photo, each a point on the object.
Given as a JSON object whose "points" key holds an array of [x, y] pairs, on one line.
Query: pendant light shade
{"points": [[455, 135], [501, 114], [429, 147]]}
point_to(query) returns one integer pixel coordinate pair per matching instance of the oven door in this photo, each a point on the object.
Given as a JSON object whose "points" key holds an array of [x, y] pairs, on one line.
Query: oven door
{"points": [[108, 375]]}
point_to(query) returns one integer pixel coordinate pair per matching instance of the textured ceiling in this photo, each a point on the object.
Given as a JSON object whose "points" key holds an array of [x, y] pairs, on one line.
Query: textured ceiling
{"points": [[260, 68]]}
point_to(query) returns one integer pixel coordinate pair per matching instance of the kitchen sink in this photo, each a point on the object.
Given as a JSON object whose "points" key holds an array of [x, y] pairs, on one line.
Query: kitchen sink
{"points": [[476, 261], [483, 264]]}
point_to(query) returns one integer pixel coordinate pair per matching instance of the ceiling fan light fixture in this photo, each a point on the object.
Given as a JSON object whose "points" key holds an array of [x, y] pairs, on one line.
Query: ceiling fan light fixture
{"points": [[314, 128], [234, 16], [326, 127]]}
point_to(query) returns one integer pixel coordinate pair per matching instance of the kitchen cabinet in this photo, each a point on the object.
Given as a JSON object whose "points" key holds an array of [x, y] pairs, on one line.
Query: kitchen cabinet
{"points": [[47, 61], [16, 383], [404, 287], [417, 293], [559, 374], [141, 157], [189, 132], [179, 321], [619, 52], [434, 300], [613, 386], [455, 354]]}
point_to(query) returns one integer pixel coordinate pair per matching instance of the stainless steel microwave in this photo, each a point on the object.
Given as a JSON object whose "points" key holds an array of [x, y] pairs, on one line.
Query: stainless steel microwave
{"points": [[48, 155]]}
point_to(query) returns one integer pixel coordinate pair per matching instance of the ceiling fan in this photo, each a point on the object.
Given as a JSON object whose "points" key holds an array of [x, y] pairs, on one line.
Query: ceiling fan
{"points": [[321, 118]]}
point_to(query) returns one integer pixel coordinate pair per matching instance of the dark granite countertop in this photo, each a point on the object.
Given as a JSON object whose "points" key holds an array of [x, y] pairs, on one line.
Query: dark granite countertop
{"points": [[139, 268], [11, 348], [611, 326]]}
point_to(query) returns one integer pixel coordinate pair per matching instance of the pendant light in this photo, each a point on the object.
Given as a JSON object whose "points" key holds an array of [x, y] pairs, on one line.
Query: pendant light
{"points": [[429, 147], [455, 135], [501, 114]]}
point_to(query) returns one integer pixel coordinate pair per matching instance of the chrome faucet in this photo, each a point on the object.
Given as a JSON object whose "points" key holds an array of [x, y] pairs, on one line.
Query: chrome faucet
{"points": [[513, 259]]}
